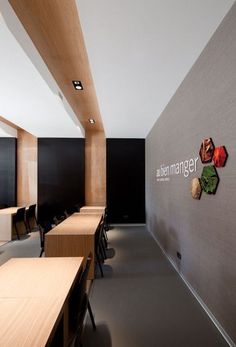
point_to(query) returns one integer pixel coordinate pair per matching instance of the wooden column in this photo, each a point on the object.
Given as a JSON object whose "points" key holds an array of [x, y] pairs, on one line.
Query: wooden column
{"points": [[95, 168], [27, 167]]}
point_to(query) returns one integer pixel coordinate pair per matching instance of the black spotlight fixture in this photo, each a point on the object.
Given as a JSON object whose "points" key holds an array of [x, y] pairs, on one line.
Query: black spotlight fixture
{"points": [[77, 85]]}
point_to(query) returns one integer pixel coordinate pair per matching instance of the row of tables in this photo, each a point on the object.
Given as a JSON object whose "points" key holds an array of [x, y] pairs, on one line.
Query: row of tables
{"points": [[36, 294]]}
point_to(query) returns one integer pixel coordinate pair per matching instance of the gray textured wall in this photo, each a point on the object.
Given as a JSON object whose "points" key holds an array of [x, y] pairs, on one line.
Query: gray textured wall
{"points": [[203, 231]]}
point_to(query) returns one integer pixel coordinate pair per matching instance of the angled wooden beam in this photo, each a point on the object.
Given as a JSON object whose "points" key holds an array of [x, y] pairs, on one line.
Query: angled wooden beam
{"points": [[54, 27]]}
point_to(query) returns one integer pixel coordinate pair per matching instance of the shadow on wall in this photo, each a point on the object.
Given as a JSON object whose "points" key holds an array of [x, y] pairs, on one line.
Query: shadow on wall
{"points": [[167, 237], [100, 337]]}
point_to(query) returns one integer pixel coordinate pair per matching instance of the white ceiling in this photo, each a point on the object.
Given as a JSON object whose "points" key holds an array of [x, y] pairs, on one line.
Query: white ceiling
{"points": [[29, 96], [140, 52], [7, 131]]}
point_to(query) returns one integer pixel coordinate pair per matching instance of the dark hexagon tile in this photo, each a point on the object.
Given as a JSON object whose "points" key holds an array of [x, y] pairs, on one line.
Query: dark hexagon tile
{"points": [[206, 150]]}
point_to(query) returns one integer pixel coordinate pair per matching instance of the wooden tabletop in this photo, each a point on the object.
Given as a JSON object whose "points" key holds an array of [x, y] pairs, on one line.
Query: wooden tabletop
{"points": [[92, 209], [9, 210], [27, 322], [32, 295], [38, 277], [77, 224]]}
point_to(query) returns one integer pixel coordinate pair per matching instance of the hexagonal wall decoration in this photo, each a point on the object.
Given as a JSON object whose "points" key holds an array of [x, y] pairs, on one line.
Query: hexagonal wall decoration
{"points": [[206, 150], [220, 156], [196, 189], [209, 179]]}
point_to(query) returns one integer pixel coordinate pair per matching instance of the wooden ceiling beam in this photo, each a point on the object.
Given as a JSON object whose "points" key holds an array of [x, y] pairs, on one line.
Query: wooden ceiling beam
{"points": [[7, 122], [54, 28]]}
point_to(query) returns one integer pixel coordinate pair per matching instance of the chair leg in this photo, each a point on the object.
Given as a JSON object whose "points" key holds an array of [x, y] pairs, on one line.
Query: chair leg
{"points": [[91, 316], [41, 253], [103, 250], [27, 227], [107, 228], [77, 342], [36, 221], [102, 258], [105, 239], [99, 264], [17, 233]]}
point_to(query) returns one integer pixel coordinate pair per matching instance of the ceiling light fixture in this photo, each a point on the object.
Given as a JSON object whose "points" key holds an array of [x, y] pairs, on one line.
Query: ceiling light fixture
{"points": [[91, 121], [77, 85]]}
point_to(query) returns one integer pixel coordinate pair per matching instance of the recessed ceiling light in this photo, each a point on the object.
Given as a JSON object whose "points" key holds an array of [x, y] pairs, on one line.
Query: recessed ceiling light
{"points": [[78, 85], [91, 120]]}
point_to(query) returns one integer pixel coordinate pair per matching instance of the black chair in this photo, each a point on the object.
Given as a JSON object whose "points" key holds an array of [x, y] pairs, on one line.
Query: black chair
{"points": [[102, 240], [69, 211], [43, 229], [104, 234], [106, 226], [77, 207], [80, 304], [59, 218], [19, 218], [31, 217], [98, 249]]}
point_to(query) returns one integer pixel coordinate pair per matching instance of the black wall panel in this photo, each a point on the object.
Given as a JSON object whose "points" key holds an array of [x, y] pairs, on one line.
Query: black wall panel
{"points": [[126, 180], [61, 175], [8, 171]]}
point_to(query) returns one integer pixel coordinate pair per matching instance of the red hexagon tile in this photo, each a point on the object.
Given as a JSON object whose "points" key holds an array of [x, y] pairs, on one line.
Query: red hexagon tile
{"points": [[220, 156], [207, 150]]}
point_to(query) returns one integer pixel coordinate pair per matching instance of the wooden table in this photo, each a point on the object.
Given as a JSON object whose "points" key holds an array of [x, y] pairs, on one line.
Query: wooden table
{"points": [[35, 299], [93, 209], [75, 236], [6, 215]]}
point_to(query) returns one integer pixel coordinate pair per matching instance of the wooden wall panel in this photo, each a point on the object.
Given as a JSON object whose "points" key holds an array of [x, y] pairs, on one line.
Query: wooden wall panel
{"points": [[27, 156], [95, 168]]}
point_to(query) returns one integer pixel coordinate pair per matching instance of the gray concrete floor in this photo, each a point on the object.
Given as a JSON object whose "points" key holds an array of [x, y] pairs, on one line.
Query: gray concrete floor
{"points": [[142, 302], [28, 246]]}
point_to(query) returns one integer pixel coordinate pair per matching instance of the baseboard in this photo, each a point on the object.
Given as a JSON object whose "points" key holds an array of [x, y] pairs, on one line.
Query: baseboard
{"points": [[201, 302]]}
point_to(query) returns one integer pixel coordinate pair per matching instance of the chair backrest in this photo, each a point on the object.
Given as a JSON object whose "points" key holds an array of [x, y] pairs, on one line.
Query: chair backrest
{"points": [[70, 210], [77, 207], [97, 236], [41, 234], [83, 281], [79, 297], [20, 215], [47, 226], [102, 222], [43, 229], [105, 216], [57, 220], [31, 210], [84, 276]]}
